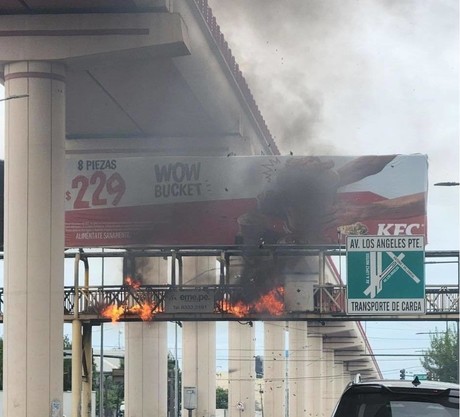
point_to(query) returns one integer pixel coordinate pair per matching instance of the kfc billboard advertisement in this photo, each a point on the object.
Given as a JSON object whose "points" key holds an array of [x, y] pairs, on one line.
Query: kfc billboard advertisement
{"points": [[155, 201]]}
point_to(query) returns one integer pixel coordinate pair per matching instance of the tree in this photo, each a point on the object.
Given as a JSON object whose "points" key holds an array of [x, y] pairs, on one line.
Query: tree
{"points": [[113, 389], [114, 394], [172, 386], [67, 364], [221, 398], [441, 359]]}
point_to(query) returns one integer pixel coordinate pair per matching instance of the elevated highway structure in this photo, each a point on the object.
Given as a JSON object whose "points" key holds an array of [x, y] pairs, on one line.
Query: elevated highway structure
{"points": [[109, 78], [97, 79], [324, 301]]}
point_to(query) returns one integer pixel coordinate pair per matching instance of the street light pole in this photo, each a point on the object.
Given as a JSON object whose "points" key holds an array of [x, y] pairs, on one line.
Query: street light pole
{"points": [[14, 96], [453, 184], [447, 184]]}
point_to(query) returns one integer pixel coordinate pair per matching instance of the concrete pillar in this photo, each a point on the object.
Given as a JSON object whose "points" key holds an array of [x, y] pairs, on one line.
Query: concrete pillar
{"points": [[314, 392], [199, 342], [340, 381], [34, 239], [328, 381], [347, 375], [146, 370], [87, 381], [82, 368], [146, 360], [199, 365], [76, 367], [297, 370], [274, 369], [241, 370]]}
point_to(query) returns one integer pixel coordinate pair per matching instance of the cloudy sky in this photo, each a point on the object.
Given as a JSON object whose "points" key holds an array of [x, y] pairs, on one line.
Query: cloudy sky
{"points": [[339, 76], [353, 77]]}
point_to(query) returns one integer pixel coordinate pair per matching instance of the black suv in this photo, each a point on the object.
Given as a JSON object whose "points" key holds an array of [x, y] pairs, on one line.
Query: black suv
{"points": [[398, 398]]}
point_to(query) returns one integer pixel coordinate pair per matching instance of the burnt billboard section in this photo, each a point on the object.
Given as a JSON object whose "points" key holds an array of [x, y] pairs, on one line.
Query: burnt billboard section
{"points": [[253, 200]]}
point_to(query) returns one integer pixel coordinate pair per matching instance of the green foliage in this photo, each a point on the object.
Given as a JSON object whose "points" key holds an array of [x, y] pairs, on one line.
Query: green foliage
{"points": [[113, 395], [441, 359], [67, 365], [222, 398], [172, 385]]}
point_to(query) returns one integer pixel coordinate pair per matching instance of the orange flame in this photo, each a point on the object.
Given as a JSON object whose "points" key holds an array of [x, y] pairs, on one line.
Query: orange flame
{"points": [[272, 303], [113, 312], [133, 283], [146, 311], [239, 309]]}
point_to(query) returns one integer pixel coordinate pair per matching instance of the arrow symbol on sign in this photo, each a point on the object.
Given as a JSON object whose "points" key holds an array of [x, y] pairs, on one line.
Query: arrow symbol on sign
{"points": [[377, 275], [404, 267]]}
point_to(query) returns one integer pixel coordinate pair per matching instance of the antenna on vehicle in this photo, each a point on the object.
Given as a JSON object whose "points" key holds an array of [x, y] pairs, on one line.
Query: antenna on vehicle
{"points": [[416, 382]]}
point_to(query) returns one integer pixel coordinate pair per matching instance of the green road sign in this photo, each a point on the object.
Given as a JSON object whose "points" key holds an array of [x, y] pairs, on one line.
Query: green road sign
{"points": [[421, 377], [386, 275]]}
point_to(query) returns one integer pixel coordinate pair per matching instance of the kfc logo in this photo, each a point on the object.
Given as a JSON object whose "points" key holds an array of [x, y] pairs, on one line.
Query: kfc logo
{"points": [[396, 229]]}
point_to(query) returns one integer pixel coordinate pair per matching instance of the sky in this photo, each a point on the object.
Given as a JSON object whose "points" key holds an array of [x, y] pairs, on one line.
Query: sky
{"points": [[355, 77]]}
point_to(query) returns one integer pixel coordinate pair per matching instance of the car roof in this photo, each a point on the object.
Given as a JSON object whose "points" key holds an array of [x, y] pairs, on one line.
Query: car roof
{"points": [[407, 383]]}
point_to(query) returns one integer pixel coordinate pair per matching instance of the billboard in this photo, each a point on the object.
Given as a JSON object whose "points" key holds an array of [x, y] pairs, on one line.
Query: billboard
{"points": [[154, 201]]}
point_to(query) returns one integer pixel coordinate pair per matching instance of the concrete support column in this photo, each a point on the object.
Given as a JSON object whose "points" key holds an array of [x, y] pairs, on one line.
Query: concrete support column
{"points": [[146, 370], [314, 392], [329, 381], [77, 354], [34, 239], [341, 382], [297, 371], [87, 381], [146, 363], [199, 342], [241, 370], [199, 365], [347, 375], [274, 369]]}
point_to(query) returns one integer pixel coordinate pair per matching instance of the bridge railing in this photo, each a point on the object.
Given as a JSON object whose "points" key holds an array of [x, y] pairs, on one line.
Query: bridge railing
{"points": [[442, 299], [328, 299], [124, 302]]}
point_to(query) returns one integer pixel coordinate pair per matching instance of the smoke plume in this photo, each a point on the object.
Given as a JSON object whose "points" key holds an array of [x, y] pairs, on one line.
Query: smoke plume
{"points": [[349, 76]]}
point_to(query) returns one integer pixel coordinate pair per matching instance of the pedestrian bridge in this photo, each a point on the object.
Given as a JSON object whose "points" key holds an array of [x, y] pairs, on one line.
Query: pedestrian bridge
{"points": [[224, 301], [151, 300]]}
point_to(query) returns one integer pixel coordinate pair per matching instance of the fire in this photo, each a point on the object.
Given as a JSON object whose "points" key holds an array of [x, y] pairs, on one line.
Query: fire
{"points": [[272, 303], [133, 283], [239, 309], [146, 311], [113, 312]]}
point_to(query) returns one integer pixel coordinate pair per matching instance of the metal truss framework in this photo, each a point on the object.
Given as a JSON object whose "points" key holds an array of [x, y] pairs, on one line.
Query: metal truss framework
{"points": [[88, 302], [441, 305]]}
